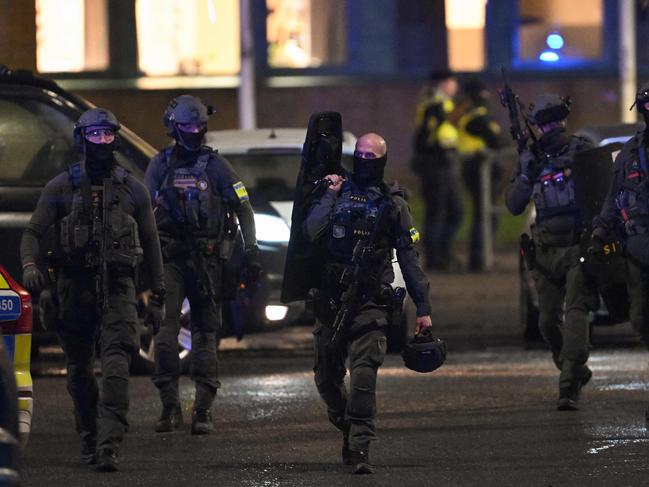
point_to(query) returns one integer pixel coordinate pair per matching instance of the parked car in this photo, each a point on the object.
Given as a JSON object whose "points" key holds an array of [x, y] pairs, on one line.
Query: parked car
{"points": [[16, 331], [9, 449], [613, 136]]}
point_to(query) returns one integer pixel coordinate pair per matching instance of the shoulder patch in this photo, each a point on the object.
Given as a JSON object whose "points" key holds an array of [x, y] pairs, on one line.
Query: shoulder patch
{"points": [[241, 191]]}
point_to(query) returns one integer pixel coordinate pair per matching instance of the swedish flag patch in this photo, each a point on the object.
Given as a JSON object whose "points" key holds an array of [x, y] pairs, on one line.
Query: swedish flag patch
{"points": [[414, 235], [241, 191]]}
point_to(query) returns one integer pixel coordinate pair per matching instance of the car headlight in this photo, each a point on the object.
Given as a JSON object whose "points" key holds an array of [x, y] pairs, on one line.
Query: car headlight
{"points": [[271, 228]]}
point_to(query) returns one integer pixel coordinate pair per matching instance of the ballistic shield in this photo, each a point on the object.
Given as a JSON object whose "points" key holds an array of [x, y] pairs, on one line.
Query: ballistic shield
{"points": [[321, 155]]}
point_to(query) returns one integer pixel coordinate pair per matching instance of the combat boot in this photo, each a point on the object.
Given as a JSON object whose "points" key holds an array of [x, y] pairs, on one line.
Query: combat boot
{"points": [[568, 400], [107, 460], [201, 421], [89, 451], [171, 419], [360, 462]]}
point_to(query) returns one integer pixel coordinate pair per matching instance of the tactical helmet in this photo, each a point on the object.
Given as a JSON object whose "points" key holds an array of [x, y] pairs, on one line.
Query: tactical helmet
{"points": [[641, 97], [95, 117], [424, 353], [185, 109], [548, 108]]}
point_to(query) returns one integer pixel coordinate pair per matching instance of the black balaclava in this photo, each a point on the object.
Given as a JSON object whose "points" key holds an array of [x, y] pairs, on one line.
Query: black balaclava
{"points": [[369, 172], [99, 160], [553, 141], [189, 140]]}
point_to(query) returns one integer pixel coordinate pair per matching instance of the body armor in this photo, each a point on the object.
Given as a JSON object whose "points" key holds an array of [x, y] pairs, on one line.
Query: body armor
{"points": [[354, 219], [633, 199], [83, 230], [189, 201], [554, 191]]}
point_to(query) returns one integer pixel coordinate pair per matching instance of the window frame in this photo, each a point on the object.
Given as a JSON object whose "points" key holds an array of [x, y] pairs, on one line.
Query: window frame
{"points": [[501, 45]]}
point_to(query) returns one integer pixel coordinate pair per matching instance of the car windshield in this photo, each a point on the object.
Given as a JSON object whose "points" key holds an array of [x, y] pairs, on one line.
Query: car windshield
{"points": [[35, 140], [270, 174]]}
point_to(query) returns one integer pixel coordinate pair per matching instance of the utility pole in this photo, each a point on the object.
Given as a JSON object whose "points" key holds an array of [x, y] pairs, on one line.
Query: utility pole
{"points": [[627, 59], [247, 98]]}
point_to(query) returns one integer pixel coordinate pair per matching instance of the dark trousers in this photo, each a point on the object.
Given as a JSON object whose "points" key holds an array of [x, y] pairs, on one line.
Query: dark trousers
{"points": [[442, 193], [559, 277], [354, 411], [471, 177], [183, 280], [98, 418]]}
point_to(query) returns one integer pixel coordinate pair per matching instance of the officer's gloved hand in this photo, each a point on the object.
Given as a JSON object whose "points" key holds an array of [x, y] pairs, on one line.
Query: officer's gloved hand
{"points": [[156, 310], [252, 270], [597, 241], [531, 166], [33, 279]]}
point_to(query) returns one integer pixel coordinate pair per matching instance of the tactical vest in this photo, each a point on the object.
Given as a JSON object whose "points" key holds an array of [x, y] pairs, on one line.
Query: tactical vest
{"points": [[467, 142], [189, 200], [633, 198], [97, 228], [354, 219], [554, 189]]}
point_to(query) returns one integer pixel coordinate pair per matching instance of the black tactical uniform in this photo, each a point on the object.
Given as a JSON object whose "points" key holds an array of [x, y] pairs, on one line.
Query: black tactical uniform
{"points": [[336, 222], [436, 162], [478, 133], [194, 191], [544, 176], [626, 209], [106, 227]]}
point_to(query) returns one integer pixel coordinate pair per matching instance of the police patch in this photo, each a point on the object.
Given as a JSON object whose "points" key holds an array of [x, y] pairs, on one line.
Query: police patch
{"points": [[201, 184], [241, 191], [414, 235], [339, 231]]}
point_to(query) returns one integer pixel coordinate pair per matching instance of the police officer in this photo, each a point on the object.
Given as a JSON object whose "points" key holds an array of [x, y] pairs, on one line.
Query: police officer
{"points": [[194, 192], [106, 227], [626, 212], [544, 175], [478, 133], [436, 163], [347, 212]]}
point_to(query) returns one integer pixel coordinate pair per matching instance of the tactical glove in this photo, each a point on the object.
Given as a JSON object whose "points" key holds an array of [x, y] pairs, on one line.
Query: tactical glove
{"points": [[531, 167], [33, 279], [252, 270], [156, 309]]}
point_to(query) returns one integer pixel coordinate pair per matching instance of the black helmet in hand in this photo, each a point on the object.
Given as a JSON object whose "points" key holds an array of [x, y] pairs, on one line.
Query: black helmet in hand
{"points": [[424, 353], [548, 108]]}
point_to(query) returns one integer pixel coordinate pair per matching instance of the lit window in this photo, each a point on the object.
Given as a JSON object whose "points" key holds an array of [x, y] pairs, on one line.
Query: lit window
{"points": [[557, 32], [465, 30], [306, 33], [71, 39], [191, 37]]}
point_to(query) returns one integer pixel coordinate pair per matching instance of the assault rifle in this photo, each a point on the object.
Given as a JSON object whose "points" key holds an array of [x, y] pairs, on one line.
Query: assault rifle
{"points": [[350, 280], [205, 282], [510, 100]]}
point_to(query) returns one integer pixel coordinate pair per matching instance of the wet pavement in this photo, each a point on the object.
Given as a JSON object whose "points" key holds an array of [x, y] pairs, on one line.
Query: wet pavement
{"points": [[484, 418], [487, 417]]}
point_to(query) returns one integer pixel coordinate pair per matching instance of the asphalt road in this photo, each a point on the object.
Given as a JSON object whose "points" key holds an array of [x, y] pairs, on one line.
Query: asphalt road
{"points": [[484, 418], [487, 417]]}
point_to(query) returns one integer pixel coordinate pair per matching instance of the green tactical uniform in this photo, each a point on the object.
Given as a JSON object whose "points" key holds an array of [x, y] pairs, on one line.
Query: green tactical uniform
{"points": [[558, 272], [337, 222], [206, 179], [75, 202]]}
